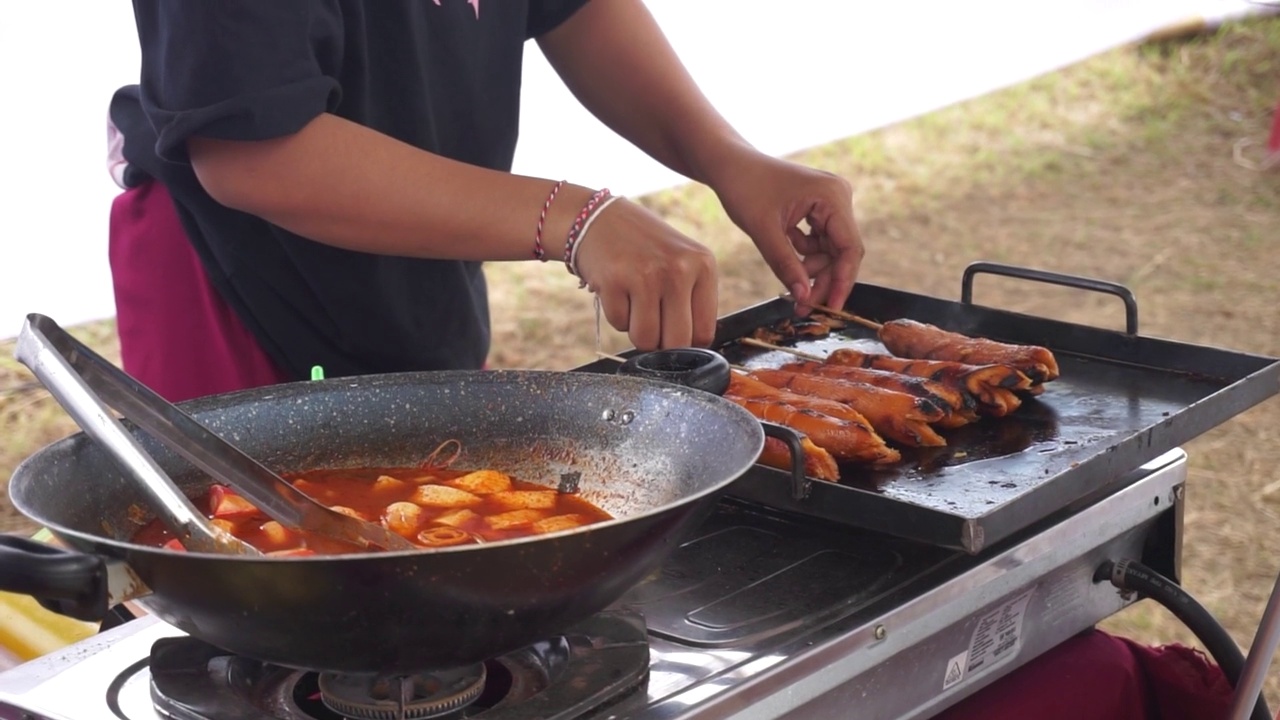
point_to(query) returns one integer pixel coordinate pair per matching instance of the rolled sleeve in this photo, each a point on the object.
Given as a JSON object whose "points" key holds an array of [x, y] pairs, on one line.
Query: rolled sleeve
{"points": [[547, 15], [236, 69]]}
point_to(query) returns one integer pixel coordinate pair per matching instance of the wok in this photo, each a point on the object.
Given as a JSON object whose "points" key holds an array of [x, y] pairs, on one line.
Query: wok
{"points": [[652, 454]]}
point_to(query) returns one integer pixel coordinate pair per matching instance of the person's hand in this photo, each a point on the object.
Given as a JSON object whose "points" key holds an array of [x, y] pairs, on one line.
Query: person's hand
{"points": [[655, 284], [767, 198]]}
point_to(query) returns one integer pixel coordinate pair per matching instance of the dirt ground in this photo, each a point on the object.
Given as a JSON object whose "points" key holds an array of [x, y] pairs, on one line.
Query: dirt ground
{"points": [[1138, 166]]}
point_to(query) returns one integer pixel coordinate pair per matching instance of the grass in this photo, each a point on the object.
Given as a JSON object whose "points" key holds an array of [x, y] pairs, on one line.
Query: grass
{"points": [[29, 417], [1120, 167]]}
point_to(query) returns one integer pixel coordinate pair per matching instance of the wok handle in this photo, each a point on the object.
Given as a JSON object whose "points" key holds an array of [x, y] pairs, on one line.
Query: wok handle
{"points": [[799, 481], [1045, 276], [64, 581]]}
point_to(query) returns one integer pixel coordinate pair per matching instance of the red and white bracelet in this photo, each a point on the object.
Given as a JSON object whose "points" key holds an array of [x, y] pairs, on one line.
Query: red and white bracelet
{"points": [[578, 229], [538, 251], [573, 259]]}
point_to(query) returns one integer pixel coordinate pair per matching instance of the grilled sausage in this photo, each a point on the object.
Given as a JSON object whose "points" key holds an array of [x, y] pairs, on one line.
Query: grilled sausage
{"points": [[917, 340], [965, 374], [746, 386], [897, 416], [818, 463], [958, 406], [993, 386], [843, 439]]}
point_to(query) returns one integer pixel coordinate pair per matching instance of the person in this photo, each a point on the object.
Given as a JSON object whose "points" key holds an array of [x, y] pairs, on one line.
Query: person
{"points": [[317, 182]]}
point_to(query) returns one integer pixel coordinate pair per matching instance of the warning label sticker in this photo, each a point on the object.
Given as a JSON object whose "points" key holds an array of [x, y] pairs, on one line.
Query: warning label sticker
{"points": [[997, 636], [956, 669]]}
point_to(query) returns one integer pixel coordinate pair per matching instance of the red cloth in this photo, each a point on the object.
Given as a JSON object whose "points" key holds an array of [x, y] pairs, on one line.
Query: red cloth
{"points": [[1273, 142], [1097, 676], [177, 336]]}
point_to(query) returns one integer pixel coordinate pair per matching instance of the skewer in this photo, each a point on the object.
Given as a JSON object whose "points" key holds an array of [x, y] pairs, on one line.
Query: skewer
{"points": [[841, 314], [792, 351], [850, 317]]}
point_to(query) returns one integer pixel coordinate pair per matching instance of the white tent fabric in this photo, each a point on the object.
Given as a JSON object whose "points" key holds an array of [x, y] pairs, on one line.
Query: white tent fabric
{"points": [[789, 74]]}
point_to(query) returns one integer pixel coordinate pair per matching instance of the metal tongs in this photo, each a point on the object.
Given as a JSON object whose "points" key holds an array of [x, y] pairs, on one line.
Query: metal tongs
{"points": [[87, 386]]}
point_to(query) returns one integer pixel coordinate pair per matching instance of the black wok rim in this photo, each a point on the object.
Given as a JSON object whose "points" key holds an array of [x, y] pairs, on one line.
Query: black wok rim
{"points": [[215, 402]]}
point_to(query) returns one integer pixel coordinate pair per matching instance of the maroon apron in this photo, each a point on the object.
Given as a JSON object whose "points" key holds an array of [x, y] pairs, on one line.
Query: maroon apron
{"points": [[177, 336], [1097, 676]]}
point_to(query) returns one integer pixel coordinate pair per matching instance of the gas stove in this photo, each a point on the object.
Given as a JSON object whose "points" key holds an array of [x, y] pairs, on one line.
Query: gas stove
{"points": [[758, 614]]}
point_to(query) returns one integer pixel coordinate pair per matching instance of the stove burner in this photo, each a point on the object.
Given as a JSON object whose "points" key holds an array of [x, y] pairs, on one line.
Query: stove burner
{"points": [[413, 697], [599, 661]]}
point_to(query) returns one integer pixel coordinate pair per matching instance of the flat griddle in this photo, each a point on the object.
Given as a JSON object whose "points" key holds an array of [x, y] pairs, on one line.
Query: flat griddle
{"points": [[1122, 400]]}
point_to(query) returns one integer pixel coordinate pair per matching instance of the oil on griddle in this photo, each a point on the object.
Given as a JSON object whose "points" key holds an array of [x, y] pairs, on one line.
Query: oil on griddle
{"points": [[993, 459]]}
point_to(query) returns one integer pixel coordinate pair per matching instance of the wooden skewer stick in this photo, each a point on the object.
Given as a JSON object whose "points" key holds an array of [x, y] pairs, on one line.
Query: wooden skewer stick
{"points": [[792, 351], [841, 314], [850, 317]]}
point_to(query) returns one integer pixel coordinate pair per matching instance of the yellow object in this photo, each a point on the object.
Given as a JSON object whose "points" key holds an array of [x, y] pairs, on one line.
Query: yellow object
{"points": [[28, 631]]}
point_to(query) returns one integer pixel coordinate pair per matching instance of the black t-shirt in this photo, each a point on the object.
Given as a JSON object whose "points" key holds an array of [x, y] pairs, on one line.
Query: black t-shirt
{"points": [[442, 75]]}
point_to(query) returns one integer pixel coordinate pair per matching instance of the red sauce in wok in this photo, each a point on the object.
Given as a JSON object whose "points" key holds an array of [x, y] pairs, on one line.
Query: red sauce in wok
{"points": [[431, 508]]}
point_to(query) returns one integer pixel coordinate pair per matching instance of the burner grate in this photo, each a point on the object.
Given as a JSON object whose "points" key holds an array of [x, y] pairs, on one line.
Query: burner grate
{"points": [[599, 661], [403, 697]]}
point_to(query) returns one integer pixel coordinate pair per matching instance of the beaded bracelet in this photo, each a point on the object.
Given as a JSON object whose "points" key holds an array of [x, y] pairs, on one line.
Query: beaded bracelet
{"points": [[572, 259], [575, 230], [538, 251]]}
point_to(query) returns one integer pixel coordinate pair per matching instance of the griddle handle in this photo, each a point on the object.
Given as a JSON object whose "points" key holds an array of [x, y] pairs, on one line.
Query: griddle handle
{"points": [[1053, 278], [799, 481]]}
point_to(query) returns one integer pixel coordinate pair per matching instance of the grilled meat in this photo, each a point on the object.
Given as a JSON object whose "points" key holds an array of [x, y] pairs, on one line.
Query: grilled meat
{"points": [[993, 386], [746, 386], [789, 329], [897, 416], [916, 340], [845, 440], [818, 463], [1001, 376], [833, 426], [769, 334], [959, 408]]}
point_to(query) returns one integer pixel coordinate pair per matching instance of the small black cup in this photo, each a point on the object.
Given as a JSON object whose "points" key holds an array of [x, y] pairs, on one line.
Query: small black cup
{"points": [[692, 367]]}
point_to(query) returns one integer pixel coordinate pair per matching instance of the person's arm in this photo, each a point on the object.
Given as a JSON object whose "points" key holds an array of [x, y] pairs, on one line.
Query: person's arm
{"points": [[339, 183], [342, 184], [615, 59], [249, 108]]}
